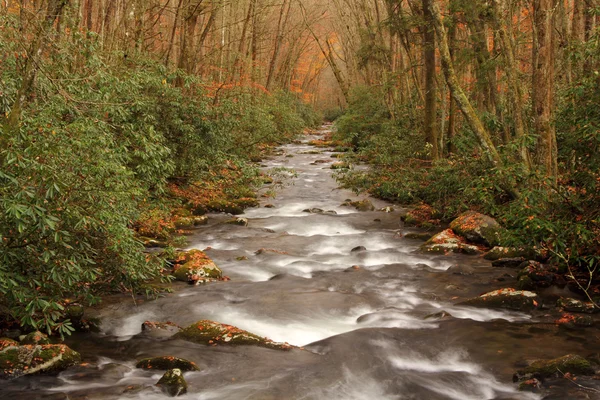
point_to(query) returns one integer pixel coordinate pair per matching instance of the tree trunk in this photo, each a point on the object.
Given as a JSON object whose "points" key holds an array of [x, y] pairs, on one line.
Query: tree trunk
{"points": [[543, 86], [512, 74], [278, 41], [430, 115], [456, 90]]}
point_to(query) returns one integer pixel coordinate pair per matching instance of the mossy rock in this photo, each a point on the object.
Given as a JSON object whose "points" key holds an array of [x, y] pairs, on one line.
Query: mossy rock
{"points": [[340, 165], [151, 242], [195, 266], [160, 330], [36, 337], [477, 228], [247, 202], [237, 221], [422, 216], [214, 333], [577, 306], [225, 206], [360, 205], [532, 385], [19, 360], [508, 298], [448, 242], [498, 252], [423, 236], [173, 383], [166, 363], [186, 222], [570, 363]]}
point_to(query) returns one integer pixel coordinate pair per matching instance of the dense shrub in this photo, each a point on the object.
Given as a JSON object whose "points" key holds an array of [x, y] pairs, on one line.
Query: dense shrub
{"points": [[100, 138]]}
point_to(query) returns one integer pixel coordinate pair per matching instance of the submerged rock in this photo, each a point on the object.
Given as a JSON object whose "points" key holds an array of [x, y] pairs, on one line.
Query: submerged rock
{"points": [[166, 363], [195, 266], [423, 236], [477, 228], [238, 221], [557, 367], [532, 385], [448, 242], [160, 330], [214, 333], [577, 306], [513, 262], [518, 300], [173, 383], [28, 359], [360, 205], [570, 321], [358, 249]]}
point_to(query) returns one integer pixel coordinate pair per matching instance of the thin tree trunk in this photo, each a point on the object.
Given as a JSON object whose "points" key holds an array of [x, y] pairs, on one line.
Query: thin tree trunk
{"points": [[173, 31], [512, 74], [278, 41], [543, 85], [430, 114], [456, 90]]}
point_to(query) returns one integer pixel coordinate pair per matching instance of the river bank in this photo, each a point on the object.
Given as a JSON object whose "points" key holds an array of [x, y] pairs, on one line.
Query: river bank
{"points": [[371, 315]]}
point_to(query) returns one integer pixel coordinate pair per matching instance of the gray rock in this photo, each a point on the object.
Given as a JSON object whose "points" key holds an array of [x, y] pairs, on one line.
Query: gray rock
{"points": [[173, 383]]}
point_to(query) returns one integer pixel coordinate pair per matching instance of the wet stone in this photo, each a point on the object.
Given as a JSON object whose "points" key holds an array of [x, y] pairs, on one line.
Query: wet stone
{"points": [[215, 333], [166, 363], [173, 383], [513, 262], [573, 364], [358, 249], [577, 306], [518, 300]]}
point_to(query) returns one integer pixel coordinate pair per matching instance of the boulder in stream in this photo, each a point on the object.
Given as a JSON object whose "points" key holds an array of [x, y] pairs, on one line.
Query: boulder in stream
{"points": [[27, 359], [508, 298], [477, 228], [36, 337], [160, 330], [238, 221], [195, 266], [189, 221], [557, 367], [498, 252], [448, 242], [215, 333], [166, 363], [577, 306], [360, 205], [173, 383]]}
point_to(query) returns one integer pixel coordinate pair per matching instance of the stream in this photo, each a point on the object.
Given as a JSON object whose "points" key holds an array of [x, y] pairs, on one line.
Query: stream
{"points": [[360, 317]]}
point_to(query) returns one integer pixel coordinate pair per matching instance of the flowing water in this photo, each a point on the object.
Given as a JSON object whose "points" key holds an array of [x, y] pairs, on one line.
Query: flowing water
{"points": [[359, 316]]}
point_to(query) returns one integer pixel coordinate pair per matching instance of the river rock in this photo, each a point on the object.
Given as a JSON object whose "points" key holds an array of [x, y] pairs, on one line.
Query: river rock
{"points": [[215, 333], [150, 242], [518, 300], [195, 266], [166, 363], [477, 228], [358, 249], [173, 383], [314, 210], [160, 330], [36, 337], [340, 165], [360, 205], [577, 306], [498, 252], [28, 359], [557, 367], [532, 385], [186, 222], [423, 236], [570, 321], [513, 262], [421, 216], [238, 221], [448, 242], [539, 274]]}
